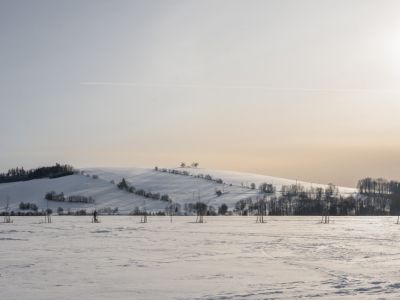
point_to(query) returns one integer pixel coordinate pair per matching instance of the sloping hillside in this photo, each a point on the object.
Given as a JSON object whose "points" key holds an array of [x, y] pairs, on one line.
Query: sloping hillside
{"points": [[181, 189], [104, 193]]}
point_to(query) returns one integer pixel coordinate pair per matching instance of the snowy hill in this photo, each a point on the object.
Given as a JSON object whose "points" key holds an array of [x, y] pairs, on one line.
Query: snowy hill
{"points": [[98, 183]]}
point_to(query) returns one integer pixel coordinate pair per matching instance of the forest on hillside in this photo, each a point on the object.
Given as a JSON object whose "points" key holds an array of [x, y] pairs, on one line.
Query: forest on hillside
{"points": [[20, 174]]}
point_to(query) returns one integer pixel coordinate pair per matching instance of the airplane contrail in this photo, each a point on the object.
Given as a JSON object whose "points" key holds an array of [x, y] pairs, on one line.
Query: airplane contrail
{"points": [[254, 87]]}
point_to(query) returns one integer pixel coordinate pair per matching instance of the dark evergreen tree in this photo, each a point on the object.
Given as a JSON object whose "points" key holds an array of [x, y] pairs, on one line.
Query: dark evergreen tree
{"points": [[123, 185]]}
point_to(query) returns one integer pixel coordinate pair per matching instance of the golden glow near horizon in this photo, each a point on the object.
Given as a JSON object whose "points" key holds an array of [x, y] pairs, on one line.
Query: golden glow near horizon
{"points": [[297, 89]]}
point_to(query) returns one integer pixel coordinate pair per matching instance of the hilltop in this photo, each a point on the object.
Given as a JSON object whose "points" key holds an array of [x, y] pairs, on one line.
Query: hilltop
{"points": [[181, 185]]}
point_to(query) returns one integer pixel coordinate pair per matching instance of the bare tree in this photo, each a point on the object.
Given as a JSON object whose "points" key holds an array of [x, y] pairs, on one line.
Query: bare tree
{"points": [[172, 209], [143, 217], [47, 214], [331, 192], [7, 217], [261, 210], [201, 210], [325, 212]]}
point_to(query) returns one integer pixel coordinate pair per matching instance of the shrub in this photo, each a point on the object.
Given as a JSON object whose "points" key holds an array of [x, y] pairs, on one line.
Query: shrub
{"points": [[165, 198], [28, 206]]}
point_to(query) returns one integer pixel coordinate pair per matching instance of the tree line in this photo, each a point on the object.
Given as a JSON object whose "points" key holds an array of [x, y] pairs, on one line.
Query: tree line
{"points": [[380, 191], [378, 186], [186, 173], [20, 174], [53, 196], [375, 197], [123, 185]]}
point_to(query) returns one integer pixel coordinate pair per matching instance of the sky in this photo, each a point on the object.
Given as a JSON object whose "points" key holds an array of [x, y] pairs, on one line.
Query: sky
{"points": [[305, 90]]}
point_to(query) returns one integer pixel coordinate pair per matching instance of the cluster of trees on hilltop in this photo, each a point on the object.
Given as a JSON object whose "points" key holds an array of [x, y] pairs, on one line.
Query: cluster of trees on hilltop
{"points": [[192, 165], [20, 174], [186, 173], [172, 171], [123, 185]]}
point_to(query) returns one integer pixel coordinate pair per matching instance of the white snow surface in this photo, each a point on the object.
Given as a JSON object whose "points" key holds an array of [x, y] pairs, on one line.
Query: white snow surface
{"points": [[182, 189], [224, 258]]}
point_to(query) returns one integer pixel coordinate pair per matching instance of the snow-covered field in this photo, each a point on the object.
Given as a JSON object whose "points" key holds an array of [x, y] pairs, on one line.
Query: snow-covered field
{"points": [[224, 258]]}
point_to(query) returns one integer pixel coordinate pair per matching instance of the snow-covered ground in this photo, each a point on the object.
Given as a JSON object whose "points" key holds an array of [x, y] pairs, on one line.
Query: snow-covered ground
{"points": [[182, 189], [224, 258]]}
